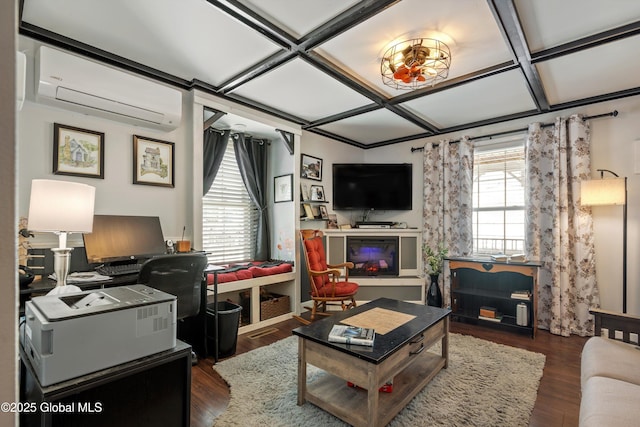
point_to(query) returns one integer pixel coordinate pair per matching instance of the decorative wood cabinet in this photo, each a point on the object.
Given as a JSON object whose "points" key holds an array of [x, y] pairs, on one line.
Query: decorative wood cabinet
{"points": [[477, 283]]}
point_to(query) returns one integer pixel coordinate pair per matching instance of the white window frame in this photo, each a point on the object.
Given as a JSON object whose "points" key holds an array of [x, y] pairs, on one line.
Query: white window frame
{"points": [[500, 242]]}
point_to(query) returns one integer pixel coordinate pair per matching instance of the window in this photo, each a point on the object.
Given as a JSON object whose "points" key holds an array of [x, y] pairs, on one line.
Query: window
{"points": [[498, 197], [229, 217]]}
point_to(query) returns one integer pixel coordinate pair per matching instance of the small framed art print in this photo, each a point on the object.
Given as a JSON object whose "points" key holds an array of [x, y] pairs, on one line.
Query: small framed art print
{"points": [[78, 152], [317, 193], [153, 162], [283, 188]]}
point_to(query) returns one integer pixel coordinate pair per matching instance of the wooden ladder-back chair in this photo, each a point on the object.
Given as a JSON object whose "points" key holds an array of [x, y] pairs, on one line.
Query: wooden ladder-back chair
{"points": [[328, 287]]}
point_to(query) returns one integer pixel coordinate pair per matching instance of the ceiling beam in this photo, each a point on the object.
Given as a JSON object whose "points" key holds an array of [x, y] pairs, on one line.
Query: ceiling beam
{"points": [[58, 40], [506, 15], [594, 40]]}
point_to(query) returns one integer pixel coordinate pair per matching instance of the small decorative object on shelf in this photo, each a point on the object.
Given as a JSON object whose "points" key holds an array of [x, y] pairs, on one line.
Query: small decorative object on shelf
{"points": [[499, 257], [523, 294]]}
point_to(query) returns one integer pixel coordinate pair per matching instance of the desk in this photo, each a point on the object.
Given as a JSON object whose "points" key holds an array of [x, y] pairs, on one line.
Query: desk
{"points": [[151, 391]]}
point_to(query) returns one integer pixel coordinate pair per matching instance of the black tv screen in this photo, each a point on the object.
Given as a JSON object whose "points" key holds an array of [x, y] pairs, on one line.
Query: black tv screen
{"points": [[377, 186], [120, 238]]}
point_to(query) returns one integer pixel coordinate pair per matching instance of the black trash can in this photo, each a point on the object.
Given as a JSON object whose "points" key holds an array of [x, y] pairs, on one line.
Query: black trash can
{"points": [[227, 333]]}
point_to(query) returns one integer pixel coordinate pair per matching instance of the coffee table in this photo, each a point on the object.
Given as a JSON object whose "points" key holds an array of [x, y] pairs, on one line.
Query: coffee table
{"points": [[399, 355]]}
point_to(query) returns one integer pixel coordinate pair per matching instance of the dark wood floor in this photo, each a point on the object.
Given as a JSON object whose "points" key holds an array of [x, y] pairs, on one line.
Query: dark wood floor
{"points": [[558, 401]]}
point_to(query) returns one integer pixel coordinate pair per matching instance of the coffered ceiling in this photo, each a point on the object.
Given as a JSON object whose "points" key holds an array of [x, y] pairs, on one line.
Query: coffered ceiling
{"points": [[317, 62]]}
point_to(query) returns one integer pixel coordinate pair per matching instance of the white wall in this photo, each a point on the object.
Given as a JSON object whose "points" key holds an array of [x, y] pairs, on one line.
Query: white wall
{"points": [[614, 142], [8, 221], [116, 193], [330, 152], [283, 214]]}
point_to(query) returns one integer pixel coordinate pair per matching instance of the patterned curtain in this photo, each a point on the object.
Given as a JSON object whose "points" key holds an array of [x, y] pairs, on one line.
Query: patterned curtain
{"points": [[448, 190], [559, 230]]}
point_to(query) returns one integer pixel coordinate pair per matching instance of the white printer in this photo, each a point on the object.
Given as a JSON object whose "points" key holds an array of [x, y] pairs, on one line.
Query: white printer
{"points": [[69, 335]]}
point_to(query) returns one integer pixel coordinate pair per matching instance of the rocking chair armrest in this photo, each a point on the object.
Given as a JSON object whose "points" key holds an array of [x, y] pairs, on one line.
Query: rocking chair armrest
{"points": [[347, 264], [331, 271]]}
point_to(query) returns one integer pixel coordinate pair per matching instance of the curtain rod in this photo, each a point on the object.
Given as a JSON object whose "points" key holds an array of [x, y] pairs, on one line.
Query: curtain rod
{"points": [[613, 113], [235, 134]]}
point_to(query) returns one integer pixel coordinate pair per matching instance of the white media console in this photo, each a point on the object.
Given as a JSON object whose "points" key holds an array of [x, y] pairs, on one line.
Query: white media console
{"points": [[407, 285]]}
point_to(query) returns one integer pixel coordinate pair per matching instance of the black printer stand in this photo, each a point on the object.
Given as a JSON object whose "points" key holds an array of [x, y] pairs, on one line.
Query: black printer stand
{"points": [[151, 391]]}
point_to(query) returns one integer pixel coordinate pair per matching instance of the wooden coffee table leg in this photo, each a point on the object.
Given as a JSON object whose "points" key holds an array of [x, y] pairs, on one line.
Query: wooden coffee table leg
{"points": [[302, 371], [445, 343], [372, 397]]}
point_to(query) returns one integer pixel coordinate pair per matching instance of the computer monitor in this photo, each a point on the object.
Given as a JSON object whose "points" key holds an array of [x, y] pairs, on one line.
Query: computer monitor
{"points": [[120, 238]]}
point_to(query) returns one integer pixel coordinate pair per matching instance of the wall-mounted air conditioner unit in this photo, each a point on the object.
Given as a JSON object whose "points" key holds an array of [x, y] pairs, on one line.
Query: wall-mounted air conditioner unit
{"points": [[89, 87]]}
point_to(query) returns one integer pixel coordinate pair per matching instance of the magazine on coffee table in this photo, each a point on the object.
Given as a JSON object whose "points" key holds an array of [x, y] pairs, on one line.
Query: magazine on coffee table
{"points": [[346, 334]]}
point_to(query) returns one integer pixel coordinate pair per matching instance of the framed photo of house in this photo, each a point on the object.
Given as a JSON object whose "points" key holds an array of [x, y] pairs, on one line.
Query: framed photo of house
{"points": [[153, 162], [311, 167], [283, 188], [78, 152], [317, 193]]}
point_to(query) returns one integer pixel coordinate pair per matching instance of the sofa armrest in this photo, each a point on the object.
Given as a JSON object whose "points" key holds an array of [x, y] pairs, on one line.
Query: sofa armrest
{"points": [[625, 323]]}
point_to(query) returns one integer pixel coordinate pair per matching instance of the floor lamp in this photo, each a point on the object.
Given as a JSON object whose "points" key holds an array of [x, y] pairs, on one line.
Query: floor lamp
{"points": [[62, 208], [607, 192]]}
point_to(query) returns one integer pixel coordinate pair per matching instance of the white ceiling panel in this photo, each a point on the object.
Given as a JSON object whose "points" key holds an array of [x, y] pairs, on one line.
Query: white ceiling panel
{"points": [[298, 17], [360, 49], [375, 126], [549, 23], [314, 61], [604, 69], [494, 96], [186, 39], [302, 90]]}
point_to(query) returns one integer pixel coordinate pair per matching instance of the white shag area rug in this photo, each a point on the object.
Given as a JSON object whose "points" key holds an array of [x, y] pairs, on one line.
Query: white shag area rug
{"points": [[486, 384]]}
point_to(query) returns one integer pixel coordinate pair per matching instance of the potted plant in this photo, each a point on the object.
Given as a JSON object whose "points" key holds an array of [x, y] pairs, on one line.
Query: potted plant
{"points": [[435, 262]]}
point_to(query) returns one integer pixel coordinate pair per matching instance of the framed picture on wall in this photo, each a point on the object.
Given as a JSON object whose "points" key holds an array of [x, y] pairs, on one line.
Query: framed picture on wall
{"points": [[78, 152], [153, 162], [283, 188], [311, 167]]}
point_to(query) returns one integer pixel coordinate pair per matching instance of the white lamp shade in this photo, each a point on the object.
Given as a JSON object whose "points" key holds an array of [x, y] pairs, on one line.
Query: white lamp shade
{"points": [[603, 192], [61, 206]]}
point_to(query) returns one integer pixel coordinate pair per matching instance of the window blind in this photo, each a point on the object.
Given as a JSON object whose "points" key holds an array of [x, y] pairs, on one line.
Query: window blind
{"points": [[229, 218]]}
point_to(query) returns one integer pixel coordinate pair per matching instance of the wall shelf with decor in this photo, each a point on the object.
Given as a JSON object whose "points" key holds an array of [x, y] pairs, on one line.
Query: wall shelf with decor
{"points": [[495, 294], [395, 273]]}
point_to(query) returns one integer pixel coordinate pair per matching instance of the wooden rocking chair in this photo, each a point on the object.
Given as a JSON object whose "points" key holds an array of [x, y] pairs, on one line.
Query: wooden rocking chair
{"points": [[327, 285]]}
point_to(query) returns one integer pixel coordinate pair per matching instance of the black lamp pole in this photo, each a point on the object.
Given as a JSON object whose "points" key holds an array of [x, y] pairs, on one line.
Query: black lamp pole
{"points": [[624, 239]]}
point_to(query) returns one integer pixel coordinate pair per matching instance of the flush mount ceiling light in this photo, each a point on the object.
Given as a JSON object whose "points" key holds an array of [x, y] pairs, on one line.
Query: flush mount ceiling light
{"points": [[415, 63]]}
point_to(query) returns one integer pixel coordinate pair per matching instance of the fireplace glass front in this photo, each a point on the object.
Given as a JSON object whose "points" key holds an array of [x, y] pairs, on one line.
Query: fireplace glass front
{"points": [[373, 256]]}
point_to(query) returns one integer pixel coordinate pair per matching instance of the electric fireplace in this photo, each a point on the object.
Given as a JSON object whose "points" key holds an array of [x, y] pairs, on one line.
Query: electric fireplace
{"points": [[373, 256]]}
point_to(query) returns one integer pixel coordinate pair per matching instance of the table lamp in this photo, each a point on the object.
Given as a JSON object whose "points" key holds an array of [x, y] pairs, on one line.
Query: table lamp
{"points": [[62, 208]]}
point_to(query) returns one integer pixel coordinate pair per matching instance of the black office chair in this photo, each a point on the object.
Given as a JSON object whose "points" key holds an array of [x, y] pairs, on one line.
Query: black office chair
{"points": [[181, 275]]}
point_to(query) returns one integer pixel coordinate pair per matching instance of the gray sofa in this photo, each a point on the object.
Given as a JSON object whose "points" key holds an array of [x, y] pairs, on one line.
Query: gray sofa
{"points": [[610, 372]]}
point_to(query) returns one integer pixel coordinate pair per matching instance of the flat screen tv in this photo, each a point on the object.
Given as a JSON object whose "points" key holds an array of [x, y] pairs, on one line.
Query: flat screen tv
{"points": [[117, 238], [372, 186]]}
